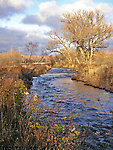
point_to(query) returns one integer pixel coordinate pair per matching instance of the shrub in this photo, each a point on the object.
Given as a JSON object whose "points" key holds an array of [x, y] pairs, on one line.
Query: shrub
{"points": [[10, 58]]}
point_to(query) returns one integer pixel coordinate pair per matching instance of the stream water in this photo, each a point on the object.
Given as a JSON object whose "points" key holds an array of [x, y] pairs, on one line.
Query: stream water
{"points": [[92, 105]]}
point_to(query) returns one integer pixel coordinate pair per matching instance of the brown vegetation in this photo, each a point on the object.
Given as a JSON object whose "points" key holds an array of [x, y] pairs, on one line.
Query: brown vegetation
{"points": [[25, 123], [12, 66], [79, 44], [100, 73], [10, 58]]}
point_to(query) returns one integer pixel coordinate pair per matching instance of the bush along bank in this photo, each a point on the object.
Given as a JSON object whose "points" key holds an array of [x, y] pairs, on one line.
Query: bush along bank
{"points": [[29, 71], [97, 76], [23, 72]]}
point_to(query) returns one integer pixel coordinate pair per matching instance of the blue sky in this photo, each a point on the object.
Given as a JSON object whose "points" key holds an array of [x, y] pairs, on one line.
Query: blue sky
{"points": [[22, 21]]}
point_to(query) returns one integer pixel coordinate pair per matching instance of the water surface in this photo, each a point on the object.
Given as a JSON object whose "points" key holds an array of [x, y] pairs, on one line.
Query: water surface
{"points": [[92, 105], [77, 97]]}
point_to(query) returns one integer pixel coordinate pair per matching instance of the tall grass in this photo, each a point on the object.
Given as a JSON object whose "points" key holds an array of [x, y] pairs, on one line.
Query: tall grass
{"points": [[26, 123], [99, 73]]}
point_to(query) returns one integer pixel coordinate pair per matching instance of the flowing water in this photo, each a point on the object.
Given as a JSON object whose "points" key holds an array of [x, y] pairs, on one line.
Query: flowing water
{"points": [[92, 105]]}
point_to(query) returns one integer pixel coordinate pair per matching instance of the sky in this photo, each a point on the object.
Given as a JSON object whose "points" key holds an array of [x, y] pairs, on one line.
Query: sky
{"points": [[22, 21]]}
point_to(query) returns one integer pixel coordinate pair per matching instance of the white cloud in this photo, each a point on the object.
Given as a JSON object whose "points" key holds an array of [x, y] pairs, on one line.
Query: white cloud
{"points": [[49, 12], [104, 7], [47, 9], [30, 30], [38, 25], [89, 2], [17, 4], [9, 7], [80, 4]]}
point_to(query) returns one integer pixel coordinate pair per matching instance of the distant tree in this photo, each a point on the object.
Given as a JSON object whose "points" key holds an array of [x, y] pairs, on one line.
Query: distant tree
{"points": [[31, 49], [86, 31]]}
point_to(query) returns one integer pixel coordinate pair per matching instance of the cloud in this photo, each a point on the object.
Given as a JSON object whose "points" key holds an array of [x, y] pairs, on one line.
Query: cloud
{"points": [[51, 21], [31, 30], [10, 38], [36, 27], [48, 15], [49, 12], [17, 39], [104, 7], [79, 4], [9, 7]]}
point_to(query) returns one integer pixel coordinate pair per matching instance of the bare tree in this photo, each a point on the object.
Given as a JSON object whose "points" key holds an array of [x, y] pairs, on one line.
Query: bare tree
{"points": [[87, 30], [31, 49], [60, 45]]}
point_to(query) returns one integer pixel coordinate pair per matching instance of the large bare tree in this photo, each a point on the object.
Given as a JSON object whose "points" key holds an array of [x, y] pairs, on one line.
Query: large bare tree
{"points": [[85, 30]]}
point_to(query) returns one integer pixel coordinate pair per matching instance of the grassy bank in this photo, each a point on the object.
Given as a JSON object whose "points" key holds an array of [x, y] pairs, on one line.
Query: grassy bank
{"points": [[12, 65], [99, 74], [25, 123]]}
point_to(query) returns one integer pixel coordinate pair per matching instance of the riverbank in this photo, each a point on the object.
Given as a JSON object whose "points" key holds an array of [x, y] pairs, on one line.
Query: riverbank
{"points": [[30, 71], [24, 72], [99, 77], [94, 81], [25, 122], [98, 73]]}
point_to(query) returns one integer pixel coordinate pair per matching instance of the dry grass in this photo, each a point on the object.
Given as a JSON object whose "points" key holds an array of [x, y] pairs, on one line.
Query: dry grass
{"points": [[99, 73], [11, 65], [25, 123], [103, 58], [10, 58]]}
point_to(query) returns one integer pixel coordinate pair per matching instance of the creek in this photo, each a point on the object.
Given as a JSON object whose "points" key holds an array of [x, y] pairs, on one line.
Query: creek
{"points": [[91, 105]]}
